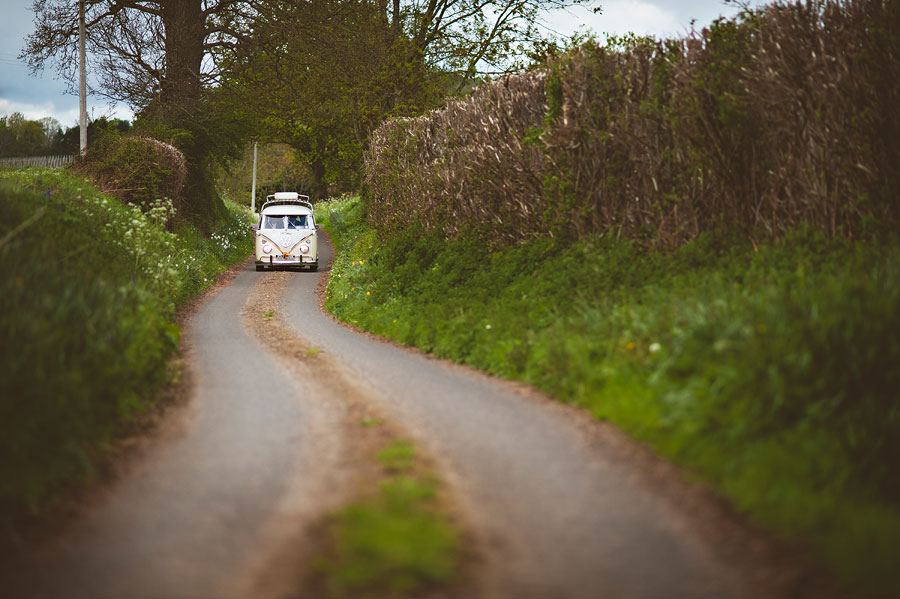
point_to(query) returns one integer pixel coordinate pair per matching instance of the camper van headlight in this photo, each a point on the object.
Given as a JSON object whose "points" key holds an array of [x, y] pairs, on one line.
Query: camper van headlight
{"points": [[267, 248], [304, 248]]}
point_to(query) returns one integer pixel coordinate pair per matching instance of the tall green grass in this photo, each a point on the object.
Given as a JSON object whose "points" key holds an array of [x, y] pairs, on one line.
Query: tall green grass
{"points": [[88, 290], [770, 370]]}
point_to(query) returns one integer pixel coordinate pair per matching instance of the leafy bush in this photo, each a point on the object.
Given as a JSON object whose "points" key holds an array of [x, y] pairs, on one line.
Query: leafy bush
{"points": [[771, 370], [88, 294], [137, 170]]}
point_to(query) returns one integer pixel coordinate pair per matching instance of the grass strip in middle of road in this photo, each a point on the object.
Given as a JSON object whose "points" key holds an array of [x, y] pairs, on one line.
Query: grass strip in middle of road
{"points": [[393, 532], [395, 541]]}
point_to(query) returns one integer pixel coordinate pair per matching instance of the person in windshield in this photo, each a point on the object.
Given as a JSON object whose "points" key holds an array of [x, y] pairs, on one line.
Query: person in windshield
{"points": [[297, 222]]}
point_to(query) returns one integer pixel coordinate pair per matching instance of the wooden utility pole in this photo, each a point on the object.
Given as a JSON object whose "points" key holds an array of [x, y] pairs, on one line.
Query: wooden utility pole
{"points": [[82, 95], [253, 192]]}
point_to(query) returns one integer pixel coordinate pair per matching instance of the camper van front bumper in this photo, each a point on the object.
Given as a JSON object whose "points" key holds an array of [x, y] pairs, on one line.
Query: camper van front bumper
{"points": [[286, 260]]}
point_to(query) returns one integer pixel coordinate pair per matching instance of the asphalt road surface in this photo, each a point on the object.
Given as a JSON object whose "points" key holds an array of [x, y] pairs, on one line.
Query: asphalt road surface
{"points": [[558, 508], [556, 505]]}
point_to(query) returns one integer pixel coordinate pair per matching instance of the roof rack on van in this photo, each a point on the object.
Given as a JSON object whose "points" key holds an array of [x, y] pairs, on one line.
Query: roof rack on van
{"points": [[287, 197]]}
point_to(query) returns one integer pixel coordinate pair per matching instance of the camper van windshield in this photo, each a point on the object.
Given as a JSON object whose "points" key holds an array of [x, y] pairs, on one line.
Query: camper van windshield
{"points": [[273, 221], [297, 222]]}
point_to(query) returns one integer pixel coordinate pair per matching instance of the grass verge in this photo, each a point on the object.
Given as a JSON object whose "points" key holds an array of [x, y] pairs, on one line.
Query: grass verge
{"points": [[768, 369], [88, 294]]}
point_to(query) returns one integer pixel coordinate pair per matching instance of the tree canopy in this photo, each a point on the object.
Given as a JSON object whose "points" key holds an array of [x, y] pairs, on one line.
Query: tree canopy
{"points": [[23, 137], [322, 75], [317, 74], [160, 57]]}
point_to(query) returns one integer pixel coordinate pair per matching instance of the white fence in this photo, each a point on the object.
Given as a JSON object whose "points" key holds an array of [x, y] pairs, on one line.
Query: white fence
{"points": [[47, 161]]}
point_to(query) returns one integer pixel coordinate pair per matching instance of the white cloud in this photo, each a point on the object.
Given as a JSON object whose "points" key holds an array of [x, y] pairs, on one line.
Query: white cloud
{"points": [[635, 16], [41, 95], [643, 17], [33, 112]]}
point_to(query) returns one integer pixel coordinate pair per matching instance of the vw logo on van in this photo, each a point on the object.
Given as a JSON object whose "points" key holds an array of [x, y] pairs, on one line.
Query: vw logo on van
{"points": [[286, 240]]}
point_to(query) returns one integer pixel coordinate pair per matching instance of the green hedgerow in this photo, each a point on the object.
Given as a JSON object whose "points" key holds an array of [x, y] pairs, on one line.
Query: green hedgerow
{"points": [[88, 295], [769, 369]]}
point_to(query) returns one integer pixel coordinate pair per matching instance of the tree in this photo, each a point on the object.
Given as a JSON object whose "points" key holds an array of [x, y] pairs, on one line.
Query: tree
{"points": [[323, 74], [278, 170], [314, 75], [471, 37], [21, 137], [159, 56], [7, 138], [319, 74], [69, 142], [51, 128]]}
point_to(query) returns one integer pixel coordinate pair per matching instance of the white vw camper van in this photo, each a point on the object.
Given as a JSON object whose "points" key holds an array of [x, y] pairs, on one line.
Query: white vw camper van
{"points": [[286, 232]]}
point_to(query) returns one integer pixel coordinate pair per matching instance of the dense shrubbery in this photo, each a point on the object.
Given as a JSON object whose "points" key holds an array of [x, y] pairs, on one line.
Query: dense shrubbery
{"points": [[137, 170], [769, 369], [88, 292], [783, 116], [668, 233]]}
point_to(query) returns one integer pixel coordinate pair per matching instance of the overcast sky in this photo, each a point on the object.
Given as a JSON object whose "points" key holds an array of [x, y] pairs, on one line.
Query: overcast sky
{"points": [[42, 95]]}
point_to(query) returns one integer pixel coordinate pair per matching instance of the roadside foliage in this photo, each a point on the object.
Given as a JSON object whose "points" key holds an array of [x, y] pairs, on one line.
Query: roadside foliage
{"points": [[769, 371], [783, 116], [137, 170], [88, 294], [694, 239]]}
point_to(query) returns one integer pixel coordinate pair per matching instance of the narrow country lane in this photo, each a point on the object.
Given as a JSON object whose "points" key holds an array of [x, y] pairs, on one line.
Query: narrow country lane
{"points": [[560, 511], [197, 512], [221, 502]]}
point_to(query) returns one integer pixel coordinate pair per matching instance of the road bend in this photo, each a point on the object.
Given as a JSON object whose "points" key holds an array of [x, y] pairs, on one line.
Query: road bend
{"points": [[553, 509], [197, 513], [556, 512]]}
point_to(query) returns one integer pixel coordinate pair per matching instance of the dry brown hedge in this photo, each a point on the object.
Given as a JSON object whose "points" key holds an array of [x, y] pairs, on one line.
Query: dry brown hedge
{"points": [[785, 115]]}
